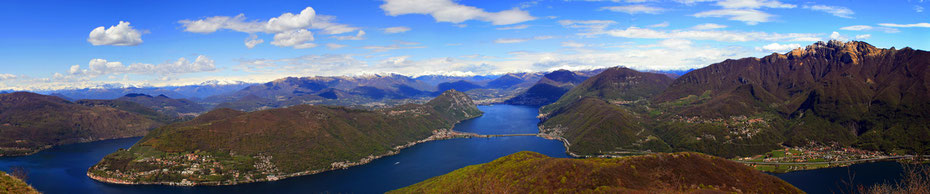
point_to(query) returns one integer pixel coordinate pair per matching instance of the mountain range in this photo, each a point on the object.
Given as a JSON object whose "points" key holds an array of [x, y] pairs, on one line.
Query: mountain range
{"points": [[32, 122], [827, 93]]}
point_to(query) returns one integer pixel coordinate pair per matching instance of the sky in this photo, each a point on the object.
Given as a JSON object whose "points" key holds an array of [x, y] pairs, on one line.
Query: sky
{"points": [[63, 44]]}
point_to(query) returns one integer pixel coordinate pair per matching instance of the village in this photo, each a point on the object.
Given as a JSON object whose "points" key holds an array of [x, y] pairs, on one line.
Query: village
{"points": [[812, 157]]}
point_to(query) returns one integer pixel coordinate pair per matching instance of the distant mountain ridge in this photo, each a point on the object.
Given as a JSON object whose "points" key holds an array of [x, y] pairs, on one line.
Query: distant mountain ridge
{"points": [[550, 87], [31, 122], [842, 93]]}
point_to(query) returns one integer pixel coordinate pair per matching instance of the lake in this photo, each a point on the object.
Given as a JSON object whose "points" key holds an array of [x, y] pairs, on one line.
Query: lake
{"points": [[62, 169]]}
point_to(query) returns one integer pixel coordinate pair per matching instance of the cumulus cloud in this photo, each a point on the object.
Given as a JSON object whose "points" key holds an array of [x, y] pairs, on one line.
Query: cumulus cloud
{"points": [[708, 26], [634, 9], [252, 41], [98, 67], [837, 36], [837, 11], [395, 30], [748, 16], [917, 25], [286, 27], [121, 34], [299, 39], [779, 48], [450, 11], [286, 22]]}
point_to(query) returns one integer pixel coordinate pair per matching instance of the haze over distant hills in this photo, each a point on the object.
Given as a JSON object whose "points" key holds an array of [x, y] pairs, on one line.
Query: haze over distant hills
{"points": [[550, 87]]}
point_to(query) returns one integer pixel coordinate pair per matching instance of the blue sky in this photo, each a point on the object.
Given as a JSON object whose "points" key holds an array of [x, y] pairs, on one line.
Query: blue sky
{"points": [[76, 44]]}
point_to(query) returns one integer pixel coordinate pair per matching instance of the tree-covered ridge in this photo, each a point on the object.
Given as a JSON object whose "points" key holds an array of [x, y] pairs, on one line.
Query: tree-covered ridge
{"points": [[31, 122], [530, 172], [226, 146], [835, 93], [13, 185]]}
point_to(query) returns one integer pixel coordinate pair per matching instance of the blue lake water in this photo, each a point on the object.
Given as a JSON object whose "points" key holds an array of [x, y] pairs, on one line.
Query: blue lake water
{"points": [[838, 180], [62, 169]]}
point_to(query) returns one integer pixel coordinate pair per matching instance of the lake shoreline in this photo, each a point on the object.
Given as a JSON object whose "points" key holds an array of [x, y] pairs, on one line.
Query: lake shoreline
{"points": [[439, 134]]}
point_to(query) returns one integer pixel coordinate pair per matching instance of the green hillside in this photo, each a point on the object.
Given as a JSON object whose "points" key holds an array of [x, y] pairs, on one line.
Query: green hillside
{"points": [[530, 172], [225, 146]]}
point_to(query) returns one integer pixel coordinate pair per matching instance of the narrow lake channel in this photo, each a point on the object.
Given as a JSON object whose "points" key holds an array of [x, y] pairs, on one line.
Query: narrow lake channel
{"points": [[62, 169]]}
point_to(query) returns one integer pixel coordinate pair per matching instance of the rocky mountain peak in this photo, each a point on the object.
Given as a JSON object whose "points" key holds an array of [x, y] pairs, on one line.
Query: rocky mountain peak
{"points": [[847, 52]]}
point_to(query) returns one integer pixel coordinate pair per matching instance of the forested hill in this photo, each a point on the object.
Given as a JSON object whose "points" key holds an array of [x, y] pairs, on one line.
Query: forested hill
{"points": [[225, 146]]}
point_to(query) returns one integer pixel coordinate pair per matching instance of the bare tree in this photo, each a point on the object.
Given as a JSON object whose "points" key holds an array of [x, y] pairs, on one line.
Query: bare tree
{"points": [[19, 172]]}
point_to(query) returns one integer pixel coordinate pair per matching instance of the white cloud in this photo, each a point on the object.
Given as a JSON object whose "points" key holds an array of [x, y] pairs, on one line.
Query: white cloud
{"points": [[510, 40], [837, 36], [749, 16], [390, 47], [692, 2], [252, 41], [299, 39], [726, 36], [98, 67], [863, 36], [543, 37], [753, 4], [120, 35], [779, 48], [519, 40], [395, 30], [918, 8], [708, 26], [869, 28], [325, 23], [660, 25], [358, 36], [284, 26], [590, 25], [450, 11], [918, 25], [573, 44], [676, 43], [335, 46], [516, 27], [283, 23], [857, 28], [837, 11], [634, 9], [6, 76]]}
